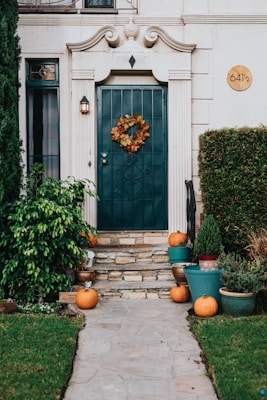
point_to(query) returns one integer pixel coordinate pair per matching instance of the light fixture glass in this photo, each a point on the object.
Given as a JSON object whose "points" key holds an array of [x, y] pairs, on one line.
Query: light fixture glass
{"points": [[84, 105]]}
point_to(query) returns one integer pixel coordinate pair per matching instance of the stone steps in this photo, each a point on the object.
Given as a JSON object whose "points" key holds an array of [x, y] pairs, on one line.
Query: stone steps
{"points": [[133, 265], [134, 280]]}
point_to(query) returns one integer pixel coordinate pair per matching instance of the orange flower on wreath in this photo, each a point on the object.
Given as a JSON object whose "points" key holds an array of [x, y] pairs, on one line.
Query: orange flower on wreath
{"points": [[130, 143]]}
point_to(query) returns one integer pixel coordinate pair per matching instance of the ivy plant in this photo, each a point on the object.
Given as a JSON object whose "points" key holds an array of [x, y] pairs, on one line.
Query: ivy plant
{"points": [[41, 238]]}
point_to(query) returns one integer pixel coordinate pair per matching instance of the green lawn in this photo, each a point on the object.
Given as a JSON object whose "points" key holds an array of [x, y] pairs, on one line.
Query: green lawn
{"points": [[236, 354], [37, 351], [36, 355]]}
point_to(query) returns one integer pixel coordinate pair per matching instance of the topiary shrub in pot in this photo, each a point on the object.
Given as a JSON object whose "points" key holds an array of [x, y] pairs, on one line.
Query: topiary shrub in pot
{"points": [[41, 236], [242, 279], [208, 243]]}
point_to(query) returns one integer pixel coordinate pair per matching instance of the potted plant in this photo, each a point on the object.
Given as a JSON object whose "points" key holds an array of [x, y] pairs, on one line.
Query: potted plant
{"points": [[40, 237], [258, 248], [6, 305], [179, 248], [84, 271], [208, 243], [204, 278], [242, 279]]}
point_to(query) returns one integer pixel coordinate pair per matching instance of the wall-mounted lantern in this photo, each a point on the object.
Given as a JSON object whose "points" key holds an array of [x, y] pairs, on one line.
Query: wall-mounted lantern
{"points": [[84, 105]]}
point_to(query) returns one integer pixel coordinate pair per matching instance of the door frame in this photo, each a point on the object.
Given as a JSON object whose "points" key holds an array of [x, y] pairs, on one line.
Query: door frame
{"points": [[90, 65]]}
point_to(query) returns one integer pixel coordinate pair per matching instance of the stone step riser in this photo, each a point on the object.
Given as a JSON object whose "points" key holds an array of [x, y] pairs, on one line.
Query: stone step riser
{"points": [[133, 238], [118, 256], [136, 294], [134, 276]]}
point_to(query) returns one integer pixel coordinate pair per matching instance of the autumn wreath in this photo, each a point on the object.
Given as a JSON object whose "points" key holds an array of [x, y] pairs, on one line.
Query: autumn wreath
{"points": [[130, 143]]}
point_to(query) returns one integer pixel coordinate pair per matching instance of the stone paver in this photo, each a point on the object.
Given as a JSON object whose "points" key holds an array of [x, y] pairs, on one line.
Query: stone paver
{"points": [[136, 349]]}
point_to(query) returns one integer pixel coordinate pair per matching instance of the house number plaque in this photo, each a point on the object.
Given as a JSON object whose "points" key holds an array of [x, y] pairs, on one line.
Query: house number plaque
{"points": [[239, 77]]}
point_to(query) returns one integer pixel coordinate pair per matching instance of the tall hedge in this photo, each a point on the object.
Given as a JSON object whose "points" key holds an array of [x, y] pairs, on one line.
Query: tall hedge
{"points": [[233, 180], [10, 143]]}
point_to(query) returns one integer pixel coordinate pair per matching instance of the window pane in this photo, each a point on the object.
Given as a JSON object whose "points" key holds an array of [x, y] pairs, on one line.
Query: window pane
{"points": [[43, 130], [99, 3], [43, 72]]}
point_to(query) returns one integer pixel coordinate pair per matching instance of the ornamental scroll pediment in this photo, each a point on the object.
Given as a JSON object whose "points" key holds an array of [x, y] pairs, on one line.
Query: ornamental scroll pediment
{"points": [[153, 33], [108, 32], [112, 37]]}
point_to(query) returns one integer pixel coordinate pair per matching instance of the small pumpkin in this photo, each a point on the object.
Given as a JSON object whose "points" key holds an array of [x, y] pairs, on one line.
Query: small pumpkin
{"points": [[179, 293], [206, 306], [176, 238], [86, 298], [93, 239]]}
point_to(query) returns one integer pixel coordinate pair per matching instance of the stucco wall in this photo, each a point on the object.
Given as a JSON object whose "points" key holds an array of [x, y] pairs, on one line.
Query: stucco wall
{"points": [[226, 34]]}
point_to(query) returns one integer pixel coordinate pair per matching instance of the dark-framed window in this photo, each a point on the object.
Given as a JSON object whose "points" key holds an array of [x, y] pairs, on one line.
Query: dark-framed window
{"points": [[46, 3], [43, 136], [99, 3]]}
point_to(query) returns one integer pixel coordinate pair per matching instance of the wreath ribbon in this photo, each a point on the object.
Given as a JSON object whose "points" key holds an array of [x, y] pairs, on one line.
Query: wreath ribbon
{"points": [[130, 143]]}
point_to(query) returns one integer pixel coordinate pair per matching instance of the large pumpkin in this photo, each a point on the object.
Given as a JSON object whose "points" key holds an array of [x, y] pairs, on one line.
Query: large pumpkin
{"points": [[179, 294], [86, 298], [176, 238], [206, 306]]}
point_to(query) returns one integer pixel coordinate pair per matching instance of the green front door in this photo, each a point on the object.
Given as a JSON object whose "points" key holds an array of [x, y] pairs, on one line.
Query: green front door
{"points": [[132, 187]]}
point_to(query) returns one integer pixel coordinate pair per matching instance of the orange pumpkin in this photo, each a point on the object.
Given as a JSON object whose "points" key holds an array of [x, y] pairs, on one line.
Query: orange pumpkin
{"points": [[179, 294], [86, 298], [93, 239], [206, 306], [176, 238]]}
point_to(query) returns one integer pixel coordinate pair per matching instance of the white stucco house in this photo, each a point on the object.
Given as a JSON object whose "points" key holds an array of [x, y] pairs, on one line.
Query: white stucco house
{"points": [[184, 66]]}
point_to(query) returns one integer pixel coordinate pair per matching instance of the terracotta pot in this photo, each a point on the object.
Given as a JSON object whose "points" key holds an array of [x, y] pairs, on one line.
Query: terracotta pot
{"points": [[208, 263], [7, 307], [84, 276], [178, 272]]}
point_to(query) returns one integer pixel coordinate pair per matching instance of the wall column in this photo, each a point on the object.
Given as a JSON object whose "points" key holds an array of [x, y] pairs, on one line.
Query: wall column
{"points": [[83, 146], [179, 147]]}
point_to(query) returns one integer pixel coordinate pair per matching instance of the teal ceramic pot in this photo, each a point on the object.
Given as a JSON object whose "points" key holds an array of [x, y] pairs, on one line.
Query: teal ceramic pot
{"points": [[203, 282], [237, 304], [179, 254]]}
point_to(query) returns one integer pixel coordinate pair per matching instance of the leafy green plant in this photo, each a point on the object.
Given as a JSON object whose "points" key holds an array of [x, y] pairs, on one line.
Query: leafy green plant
{"points": [[209, 239], [2, 294], [241, 275], [41, 239]]}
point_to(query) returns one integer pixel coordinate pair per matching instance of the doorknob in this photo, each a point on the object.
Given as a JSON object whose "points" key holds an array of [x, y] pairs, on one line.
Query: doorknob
{"points": [[104, 161]]}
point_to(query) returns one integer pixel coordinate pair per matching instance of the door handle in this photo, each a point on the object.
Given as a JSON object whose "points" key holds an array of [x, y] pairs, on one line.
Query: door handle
{"points": [[104, 161]]}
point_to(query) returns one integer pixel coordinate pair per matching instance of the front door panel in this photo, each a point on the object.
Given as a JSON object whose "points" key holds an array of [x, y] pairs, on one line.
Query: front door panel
{"points": [[132, 187]]}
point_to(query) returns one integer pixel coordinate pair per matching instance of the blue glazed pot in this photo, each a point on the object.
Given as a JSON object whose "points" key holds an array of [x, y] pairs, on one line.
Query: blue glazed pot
{"points": [[203, 282], [179, 254], [237, 304]]}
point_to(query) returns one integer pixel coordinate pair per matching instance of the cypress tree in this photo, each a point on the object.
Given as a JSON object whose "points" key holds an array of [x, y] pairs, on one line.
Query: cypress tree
{"points": [[10, 142]]}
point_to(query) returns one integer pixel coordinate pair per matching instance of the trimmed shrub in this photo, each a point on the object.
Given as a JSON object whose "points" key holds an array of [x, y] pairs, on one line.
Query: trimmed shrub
{"points": [[233, 181], [10, 143]]}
